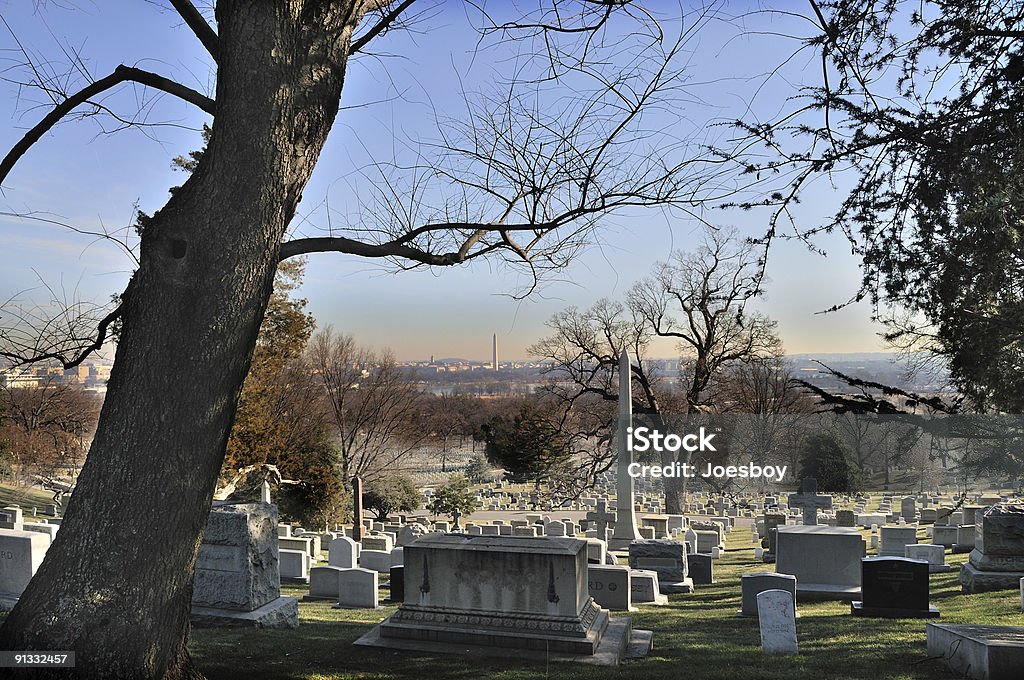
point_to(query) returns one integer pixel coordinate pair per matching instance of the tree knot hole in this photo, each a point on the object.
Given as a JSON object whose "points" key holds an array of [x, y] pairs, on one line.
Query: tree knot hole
{"points": [[178, 248]]}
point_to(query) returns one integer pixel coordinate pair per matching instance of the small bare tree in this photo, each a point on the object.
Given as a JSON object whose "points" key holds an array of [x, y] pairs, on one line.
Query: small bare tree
{"points": [[47, 427], [700, 300], [375, 405]]}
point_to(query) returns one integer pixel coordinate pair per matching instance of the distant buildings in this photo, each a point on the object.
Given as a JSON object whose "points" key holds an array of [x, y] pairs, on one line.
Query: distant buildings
{"points": [[91, 376]]}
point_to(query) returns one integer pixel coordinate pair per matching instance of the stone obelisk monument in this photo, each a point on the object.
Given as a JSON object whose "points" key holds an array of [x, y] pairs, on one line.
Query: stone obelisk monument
{"points": [[625, 521]]}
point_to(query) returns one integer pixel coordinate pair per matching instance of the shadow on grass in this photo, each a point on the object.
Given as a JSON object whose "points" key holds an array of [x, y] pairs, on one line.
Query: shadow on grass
{"points": [[696, 637]]}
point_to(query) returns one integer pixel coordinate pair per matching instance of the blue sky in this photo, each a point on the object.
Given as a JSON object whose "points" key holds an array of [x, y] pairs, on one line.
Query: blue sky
{"points": [[81, 176]]}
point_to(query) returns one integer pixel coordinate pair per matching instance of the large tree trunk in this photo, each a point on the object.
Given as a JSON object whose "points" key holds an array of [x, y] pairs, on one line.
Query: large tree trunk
{"points": [[116, 584]]}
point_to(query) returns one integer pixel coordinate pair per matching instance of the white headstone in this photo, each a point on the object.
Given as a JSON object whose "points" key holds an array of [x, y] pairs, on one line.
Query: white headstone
{"points": [[776, 615], [342, 553], [610, 586], [294, 564], [42, 527], [644, 587], [379, 541]]}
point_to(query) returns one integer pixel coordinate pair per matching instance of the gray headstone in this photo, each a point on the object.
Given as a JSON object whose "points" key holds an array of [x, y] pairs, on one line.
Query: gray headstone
{"points": [[357, 589], [610, 586]]}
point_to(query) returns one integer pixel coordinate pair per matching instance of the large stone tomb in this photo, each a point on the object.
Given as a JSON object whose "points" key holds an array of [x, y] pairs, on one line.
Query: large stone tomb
{"points": [[894, 588], [997, 561], [978, 652], [238, 580], [824, 559], [503, 595]]}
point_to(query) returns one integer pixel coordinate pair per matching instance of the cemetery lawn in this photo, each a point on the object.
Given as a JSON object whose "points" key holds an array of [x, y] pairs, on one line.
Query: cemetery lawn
{"points": [[695, 637], [25, 496]]}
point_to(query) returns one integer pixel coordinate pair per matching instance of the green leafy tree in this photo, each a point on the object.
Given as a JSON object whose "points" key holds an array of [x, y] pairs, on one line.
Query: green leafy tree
{"points": [[529, 445], [825, 457], [917, 109], [281, 419], [454, 498], [389, 495], [479, 470]]}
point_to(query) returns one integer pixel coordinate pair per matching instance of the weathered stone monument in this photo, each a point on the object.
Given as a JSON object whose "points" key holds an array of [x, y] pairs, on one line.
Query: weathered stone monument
{"points": [[978, 652], [997, 561], [237, 579], [503, 595], [601, 518], [625, 500], [668, 559]]}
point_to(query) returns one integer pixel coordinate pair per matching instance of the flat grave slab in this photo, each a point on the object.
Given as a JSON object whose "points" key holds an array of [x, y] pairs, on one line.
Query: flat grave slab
{"points": [[979, 652]]}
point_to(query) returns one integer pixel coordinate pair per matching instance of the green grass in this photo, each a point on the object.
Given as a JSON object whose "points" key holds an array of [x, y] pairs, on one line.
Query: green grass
{"points": [[696, 637], [24, 496]]}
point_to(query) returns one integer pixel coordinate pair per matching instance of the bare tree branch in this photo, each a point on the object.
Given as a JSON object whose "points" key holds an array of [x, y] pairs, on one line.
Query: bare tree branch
{"points": [[340, 244], [120, 75], [386, 21], [79, 348], [198, 24]]}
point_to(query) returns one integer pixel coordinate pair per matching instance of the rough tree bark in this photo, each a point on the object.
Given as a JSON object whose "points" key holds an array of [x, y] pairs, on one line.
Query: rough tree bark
{"points": [[108, 589], [190, 319]]}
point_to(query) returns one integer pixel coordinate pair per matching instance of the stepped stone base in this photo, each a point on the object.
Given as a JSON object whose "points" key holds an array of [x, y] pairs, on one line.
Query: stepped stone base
{"points": [[974, 580], [858, 609], [280, 613], [620, 642]]}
